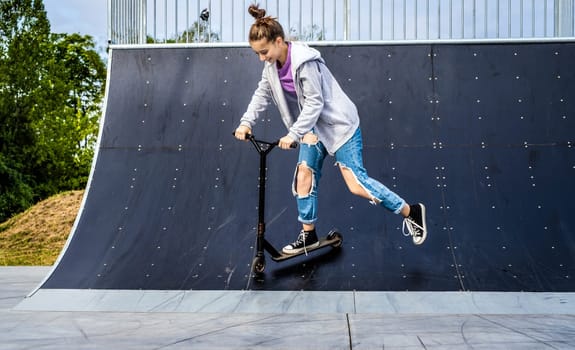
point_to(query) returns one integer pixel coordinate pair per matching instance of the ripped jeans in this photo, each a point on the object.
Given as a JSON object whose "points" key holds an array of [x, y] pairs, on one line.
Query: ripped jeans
{"points": [[348, 156]]}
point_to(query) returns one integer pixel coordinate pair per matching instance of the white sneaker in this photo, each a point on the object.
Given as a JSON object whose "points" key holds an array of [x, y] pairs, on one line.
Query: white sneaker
{"points": [[415, 223], [305, 240]]}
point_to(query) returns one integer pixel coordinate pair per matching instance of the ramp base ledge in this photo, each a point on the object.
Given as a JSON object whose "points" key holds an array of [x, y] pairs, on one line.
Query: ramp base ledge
{"points": [[300, 302]]}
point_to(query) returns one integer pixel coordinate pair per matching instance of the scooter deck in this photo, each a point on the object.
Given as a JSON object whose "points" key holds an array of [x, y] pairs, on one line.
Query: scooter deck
{"points": [[333, 239]]}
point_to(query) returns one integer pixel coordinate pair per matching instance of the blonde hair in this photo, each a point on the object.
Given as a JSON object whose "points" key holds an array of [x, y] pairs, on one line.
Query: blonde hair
{"points": [[265, 27]]}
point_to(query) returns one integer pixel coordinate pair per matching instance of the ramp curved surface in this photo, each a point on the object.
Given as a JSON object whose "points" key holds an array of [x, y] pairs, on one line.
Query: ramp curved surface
{"points": [[480, 133]]}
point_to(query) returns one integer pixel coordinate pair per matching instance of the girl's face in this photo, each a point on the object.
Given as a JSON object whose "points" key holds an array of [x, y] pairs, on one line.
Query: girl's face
{"points": [[270, 51]]}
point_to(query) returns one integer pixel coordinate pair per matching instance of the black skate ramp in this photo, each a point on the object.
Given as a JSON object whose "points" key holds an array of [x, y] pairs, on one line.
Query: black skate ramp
{"points": [[482, 133]]}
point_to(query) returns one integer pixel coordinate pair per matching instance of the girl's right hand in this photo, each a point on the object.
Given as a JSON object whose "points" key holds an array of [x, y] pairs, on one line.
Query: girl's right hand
{"points": [[242, 131]]}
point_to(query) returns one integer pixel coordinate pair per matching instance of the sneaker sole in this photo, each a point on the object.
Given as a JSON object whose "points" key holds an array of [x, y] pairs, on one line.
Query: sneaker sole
{"points": [[299, 250]]}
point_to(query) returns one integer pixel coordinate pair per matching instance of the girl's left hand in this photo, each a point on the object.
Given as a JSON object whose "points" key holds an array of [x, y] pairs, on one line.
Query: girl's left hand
{"points": [[285, 142]]}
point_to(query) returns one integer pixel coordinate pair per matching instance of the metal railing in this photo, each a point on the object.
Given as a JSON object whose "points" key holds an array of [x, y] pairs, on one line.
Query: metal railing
{"points": [[141, 21], [127, 21]]}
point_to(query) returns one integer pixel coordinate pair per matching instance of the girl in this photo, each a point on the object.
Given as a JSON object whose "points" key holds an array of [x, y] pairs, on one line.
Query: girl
{"points": [[322, 118]]}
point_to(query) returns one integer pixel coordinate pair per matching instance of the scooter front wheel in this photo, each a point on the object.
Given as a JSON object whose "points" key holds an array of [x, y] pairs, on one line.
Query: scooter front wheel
{"points": [[259, 264]]}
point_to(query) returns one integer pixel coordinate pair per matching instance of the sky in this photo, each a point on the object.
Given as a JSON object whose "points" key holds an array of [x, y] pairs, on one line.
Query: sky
{"points": [[87, 17]]}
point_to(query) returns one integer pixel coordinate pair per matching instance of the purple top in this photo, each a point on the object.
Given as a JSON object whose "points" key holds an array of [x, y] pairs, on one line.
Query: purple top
{"points": [[284, 72]]}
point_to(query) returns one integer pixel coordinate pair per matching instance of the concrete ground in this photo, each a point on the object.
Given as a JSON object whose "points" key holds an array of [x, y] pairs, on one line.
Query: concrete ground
{"points": [[62, 330]]}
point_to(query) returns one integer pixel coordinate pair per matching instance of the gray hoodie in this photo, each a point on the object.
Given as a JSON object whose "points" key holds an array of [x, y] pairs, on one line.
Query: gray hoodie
{"points": [[323, 106]]}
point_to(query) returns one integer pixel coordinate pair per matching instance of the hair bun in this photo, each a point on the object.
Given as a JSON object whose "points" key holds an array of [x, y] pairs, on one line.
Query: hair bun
{"points": [[256, 12]]}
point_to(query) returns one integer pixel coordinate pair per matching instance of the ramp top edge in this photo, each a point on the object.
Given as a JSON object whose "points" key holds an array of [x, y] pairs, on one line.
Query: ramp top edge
{"points": [[353, 43]]}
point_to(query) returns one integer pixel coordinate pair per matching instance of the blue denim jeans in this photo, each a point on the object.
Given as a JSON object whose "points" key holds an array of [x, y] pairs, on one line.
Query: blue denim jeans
{"points": [[348, 156]]}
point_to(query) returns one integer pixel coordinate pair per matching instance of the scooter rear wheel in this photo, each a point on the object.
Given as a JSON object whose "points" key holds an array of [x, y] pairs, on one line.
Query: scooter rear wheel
{"points": [[334, 235], [259, 264]]}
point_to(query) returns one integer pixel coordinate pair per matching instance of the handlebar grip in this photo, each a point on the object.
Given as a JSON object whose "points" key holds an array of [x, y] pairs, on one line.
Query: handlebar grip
{"points": [[248, 136]]}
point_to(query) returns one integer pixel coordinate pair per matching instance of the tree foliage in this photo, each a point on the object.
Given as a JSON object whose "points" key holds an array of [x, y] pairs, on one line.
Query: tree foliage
{"points": [[199, 32], [311, 33], [51, 87]]}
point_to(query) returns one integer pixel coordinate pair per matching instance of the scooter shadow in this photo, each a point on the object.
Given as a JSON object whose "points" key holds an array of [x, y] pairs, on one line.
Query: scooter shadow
{"points": [[297, 270]]}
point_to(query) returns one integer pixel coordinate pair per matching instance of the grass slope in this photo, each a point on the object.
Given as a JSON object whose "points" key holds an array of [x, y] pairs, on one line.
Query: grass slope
{"points": [[36, 236]]}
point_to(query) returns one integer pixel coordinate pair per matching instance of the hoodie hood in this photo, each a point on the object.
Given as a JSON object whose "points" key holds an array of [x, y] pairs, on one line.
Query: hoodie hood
{"points": [[301, 53]]}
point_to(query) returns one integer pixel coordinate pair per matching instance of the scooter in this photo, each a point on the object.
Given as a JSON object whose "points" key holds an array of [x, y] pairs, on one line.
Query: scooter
{"points": [[333, 238]]}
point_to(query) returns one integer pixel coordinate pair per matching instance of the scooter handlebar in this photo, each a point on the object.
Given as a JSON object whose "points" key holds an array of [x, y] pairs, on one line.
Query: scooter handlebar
{"points": [[275, 143]]}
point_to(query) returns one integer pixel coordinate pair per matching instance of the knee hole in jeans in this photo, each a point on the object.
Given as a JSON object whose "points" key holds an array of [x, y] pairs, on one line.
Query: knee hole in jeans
{"points": [[355, 186], [303, 180]]}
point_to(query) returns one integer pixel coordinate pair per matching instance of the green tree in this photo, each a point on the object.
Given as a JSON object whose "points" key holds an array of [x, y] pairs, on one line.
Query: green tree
{"points": [[311, 33], [199, 32], [24, 32], [51, 87], [66, 127], [15, 193]]}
